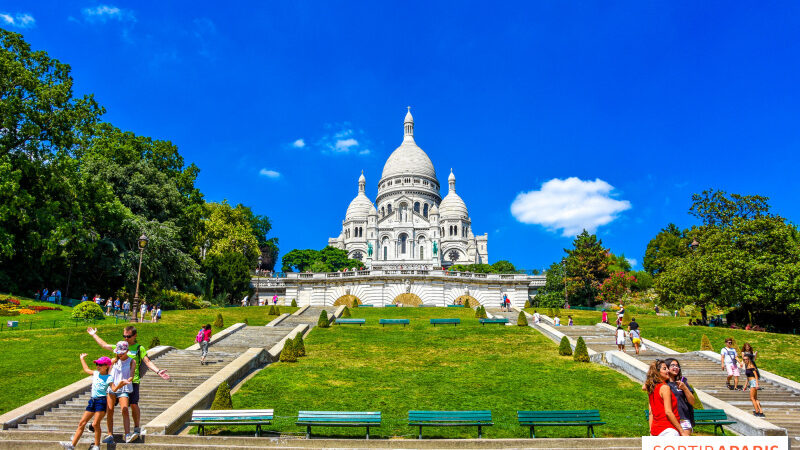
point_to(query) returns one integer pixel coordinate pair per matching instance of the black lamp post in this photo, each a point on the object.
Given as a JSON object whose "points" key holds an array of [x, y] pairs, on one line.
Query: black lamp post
{"points": [[258, 267], [134, 311]]}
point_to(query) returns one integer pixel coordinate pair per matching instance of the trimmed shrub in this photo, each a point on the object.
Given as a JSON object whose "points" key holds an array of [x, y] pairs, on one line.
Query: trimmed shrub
{"points": [[564, 349], [288, 353], [522, 319], [705, 344], [294, 303], [299, 345], [87, 311], [219, 322], [271, 311], [466, 303], [246, 322], [155, 342], [323, 319], [355, 302], [222, 400], [581, 353], [346, 312], [527, 303], [277, 310]]}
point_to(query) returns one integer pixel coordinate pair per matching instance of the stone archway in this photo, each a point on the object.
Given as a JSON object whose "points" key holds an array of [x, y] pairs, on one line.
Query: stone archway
{"points": [[347, 300], [408, 299], [466, 299]]}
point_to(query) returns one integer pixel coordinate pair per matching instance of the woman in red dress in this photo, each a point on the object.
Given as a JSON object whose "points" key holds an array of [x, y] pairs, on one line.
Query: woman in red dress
{"points": [[664, 419]]}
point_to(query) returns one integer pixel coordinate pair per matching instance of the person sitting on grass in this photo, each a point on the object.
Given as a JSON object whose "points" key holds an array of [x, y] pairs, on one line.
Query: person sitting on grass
{"points": [[96, 409]]}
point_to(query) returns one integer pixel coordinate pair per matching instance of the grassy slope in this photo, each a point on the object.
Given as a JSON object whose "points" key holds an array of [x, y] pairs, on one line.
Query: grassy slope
{"points": [[396, 369], [778, 353], [23, 379]]}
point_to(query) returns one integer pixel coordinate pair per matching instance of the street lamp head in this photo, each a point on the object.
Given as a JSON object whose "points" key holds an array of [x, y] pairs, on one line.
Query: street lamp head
{"points": [[260, 258], [143, 241], [694, 244]]}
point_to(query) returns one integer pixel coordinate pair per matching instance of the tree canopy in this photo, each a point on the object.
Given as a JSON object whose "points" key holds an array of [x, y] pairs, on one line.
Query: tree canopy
{"points": [[329, 259]]}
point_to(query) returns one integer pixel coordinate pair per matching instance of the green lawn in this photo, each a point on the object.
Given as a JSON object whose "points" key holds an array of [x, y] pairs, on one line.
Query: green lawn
{"points": [[469, 367], [778, 353], [23, 378]]}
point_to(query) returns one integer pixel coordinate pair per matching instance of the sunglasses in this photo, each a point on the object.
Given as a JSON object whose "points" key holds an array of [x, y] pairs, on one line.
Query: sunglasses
{"points": [[126, 336]]}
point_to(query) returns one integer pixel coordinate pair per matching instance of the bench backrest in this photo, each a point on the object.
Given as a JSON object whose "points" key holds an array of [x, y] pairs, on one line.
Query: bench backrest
{"points": [[445, 320], [366, 306], [350, 320], [340, 416], [587, 415], [450, 416], [702, 414], [394, 321], [232, 414], [499, 320], [390, 306]]}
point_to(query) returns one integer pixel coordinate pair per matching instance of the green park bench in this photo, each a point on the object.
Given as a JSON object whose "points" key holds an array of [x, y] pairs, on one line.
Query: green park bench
{"points": [[257, 417], [390, 306], [455, 306], [338, 419], [716, 417], [500, 320], [582, 418], [350, 321], [385, 322], [450, 419], [366, 306], [454, 322]]}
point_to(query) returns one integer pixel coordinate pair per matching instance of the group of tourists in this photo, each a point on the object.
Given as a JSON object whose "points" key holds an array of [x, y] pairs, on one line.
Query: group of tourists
{"points": [[46, 296], [505, 303], [115, 381], [671, 398], [634, 333]]}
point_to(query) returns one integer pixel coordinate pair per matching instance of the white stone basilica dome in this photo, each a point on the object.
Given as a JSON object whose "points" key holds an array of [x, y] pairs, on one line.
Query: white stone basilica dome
{"points": [[361, 206], [452, 206], [408, 158]]}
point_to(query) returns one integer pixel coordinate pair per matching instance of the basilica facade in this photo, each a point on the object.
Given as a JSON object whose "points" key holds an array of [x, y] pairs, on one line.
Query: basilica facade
{"points": [[412, 226]]}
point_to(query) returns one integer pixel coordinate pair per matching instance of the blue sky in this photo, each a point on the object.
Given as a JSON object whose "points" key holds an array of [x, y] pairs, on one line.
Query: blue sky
{"points": [[607, 115]]}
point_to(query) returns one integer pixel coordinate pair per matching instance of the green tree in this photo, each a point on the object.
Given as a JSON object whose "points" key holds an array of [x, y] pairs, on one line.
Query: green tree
{"points": [[668, 244], [618, 263], [581, 352], [586, 268], [551, 295], [564, 348], [643, 282], [522, 319], [222, 399], [329, 259], [716, 209], [229, 272], [614, 287], [503, 266]]}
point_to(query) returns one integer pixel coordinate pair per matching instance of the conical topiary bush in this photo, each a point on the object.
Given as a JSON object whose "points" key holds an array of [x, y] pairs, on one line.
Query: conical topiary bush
{"points": [[299, 345], [527, 303], [288, 353], [323, 319], [581, 353], [705, 344], [346, 312], [219, 322], [355, 302], [222, 400], [522, 319], [466, 303], [478, 312], [564, 349], [155, 342], [294, 303], [271, 310], [277, 310]]}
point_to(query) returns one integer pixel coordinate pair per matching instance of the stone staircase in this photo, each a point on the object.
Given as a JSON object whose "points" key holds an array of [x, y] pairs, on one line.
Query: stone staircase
{"points": [[156, 395], [512, 315], [602, 340], [309, 316], [249, 337], [781, 406]]}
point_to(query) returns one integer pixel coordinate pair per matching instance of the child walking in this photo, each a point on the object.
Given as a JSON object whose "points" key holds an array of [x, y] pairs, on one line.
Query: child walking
{"points": [[122, 370], [203, 338], [96, 409]]}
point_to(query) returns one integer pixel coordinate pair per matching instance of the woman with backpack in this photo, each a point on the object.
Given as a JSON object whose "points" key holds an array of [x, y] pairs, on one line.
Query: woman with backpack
{"points": [[203, 338]]}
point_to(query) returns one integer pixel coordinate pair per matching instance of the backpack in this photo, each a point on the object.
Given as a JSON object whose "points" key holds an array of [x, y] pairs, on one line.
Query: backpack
{"points": [[200, 335], [138, 357]]}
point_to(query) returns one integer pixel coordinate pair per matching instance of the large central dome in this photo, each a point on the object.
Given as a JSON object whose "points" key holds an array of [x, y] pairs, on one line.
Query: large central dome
{"points": [[409, 159]]}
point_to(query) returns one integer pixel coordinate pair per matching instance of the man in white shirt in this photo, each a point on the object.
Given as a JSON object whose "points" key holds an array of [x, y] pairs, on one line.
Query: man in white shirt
{"points": [[729, 362], [536, 317]]}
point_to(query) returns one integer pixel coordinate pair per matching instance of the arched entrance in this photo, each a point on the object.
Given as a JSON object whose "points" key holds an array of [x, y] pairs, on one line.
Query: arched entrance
{"points": [[347, 300], [407, 299], [466, 299]]}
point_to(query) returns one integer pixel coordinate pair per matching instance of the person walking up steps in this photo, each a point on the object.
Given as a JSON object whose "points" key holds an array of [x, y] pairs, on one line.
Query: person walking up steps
{"points": [[620, 338], [96, 409], [204, 338], [730, 363], [751, 372], [536, 317], [635, 334], [138, 353], [664, 417]]}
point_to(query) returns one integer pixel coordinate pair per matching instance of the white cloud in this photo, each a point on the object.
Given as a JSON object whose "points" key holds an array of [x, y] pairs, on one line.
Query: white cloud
{"points": [[18, 20], [632, 261], [364, 152], [269, 173], [104, 13], [344, 145], [570, 205], [300, 143]]}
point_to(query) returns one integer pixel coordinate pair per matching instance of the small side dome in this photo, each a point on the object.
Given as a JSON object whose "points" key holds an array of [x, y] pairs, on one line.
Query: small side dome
{"points": [[453, 207], [359, 208], [435, 210]]}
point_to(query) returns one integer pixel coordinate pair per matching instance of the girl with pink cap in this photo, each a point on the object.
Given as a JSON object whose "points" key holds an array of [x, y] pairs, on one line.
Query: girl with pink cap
{"points": [[96, 409]]}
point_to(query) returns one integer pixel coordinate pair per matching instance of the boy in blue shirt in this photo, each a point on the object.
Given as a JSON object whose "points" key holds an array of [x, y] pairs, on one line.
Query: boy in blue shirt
{"points": [[101, 382]]}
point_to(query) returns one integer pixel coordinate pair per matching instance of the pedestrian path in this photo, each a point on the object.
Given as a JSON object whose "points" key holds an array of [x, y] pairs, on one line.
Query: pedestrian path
{"points": [[512, 316], [602, 340]]}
